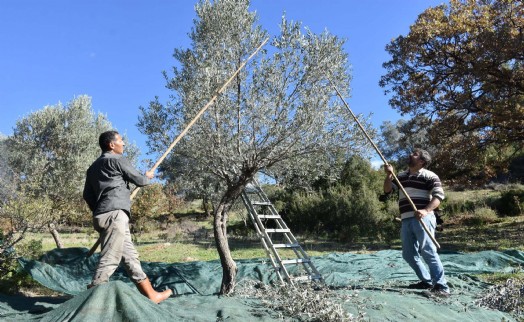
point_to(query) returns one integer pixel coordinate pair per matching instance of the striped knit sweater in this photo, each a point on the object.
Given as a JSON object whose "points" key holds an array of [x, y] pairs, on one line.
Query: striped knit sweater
{"points": [[421, 187]]}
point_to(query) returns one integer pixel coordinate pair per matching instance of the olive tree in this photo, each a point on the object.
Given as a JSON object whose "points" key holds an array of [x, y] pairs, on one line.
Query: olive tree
{"points": [[7, 192], [400, 138], [6, 173], [48, 154], [280, 116]]}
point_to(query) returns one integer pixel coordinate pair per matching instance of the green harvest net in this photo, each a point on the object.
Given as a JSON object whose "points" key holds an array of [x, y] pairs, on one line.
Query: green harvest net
{"points": [[379, 279]]}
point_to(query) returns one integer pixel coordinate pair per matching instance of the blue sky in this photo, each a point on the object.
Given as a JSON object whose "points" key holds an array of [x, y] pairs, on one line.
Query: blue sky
{"points": [[115, 51]]}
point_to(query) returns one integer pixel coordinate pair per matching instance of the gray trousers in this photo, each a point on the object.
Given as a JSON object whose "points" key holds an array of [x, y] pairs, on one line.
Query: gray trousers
{"points": [[117, 246]]}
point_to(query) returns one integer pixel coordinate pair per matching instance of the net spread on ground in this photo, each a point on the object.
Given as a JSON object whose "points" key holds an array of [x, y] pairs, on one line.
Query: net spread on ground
{"points": [[376, 281]]}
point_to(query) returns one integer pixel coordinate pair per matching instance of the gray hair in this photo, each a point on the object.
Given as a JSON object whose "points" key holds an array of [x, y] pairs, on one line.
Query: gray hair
{"points": [[424, 155]]}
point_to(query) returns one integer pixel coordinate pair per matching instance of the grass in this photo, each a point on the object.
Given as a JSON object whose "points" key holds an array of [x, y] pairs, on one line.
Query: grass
{"points": [[504, 235], [152, 249], [469, 226], [507, 233], [176, 252], [477, 227], [76, 239], [497, 278]]}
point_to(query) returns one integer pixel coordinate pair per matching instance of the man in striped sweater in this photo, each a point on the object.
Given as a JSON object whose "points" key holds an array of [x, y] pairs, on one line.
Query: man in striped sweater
{"points": [[425, 190]]}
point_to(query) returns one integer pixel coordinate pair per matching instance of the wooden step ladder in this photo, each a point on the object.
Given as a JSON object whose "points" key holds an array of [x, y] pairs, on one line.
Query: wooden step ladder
{"points": [[270, 226]]}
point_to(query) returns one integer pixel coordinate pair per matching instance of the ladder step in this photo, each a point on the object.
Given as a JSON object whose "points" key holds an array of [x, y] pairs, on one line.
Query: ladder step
{"points": [[261, 203], [251, 189], [286, 245], [271, 230], [269, 216], [295, 261]]}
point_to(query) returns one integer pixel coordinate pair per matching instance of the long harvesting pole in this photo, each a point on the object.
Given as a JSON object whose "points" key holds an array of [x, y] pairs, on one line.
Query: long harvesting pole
{"points": [[385, 163], [188, 126], [199, 114]]}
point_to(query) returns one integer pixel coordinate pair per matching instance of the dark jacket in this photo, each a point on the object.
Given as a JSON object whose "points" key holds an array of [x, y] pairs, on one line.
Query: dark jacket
{"points": [[107, 183]]}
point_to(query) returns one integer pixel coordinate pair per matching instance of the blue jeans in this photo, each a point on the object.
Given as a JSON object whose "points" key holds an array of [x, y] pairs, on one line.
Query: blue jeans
{"points": [[416, 244]]}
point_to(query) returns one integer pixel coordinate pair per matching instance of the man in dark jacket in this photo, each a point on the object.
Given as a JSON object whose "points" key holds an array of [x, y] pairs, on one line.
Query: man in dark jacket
{"points": [[107, 193]]}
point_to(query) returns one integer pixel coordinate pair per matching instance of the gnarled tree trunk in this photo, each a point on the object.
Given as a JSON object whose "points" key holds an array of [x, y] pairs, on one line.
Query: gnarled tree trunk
{"points": [[229, 267], [56, 236]]}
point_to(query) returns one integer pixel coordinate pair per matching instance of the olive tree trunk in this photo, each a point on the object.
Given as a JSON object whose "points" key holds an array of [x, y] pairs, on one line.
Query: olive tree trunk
{"points": [[229, 267], [56, 236], [208, 211]]}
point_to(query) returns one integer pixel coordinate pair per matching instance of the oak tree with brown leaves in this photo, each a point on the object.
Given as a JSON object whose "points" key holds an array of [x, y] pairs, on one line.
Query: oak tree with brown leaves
{"points": [[461, 70]]}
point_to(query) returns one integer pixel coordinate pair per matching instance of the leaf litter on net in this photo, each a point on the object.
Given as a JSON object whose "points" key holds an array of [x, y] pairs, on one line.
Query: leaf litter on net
{"points": [[506, 297], [307, 301]]}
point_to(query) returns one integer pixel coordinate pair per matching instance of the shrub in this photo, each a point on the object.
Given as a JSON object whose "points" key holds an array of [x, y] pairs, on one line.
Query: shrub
{"points": [[12, 277], [7, 259], [461, 203], [150, 203], [340, 212], [480, 217], [504, 186], [511, 203], [345, 210], [456, 204]]}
